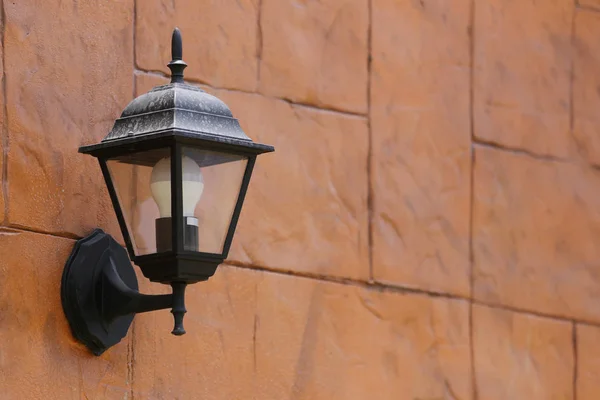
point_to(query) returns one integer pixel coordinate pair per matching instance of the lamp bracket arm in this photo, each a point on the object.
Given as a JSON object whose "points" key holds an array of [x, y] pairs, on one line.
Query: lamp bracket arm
{"points": [[118, 299]]}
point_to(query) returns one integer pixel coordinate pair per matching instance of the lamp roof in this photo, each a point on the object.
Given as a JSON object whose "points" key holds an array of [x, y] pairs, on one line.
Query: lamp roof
{"points": [[177, 109], [176, 106]]}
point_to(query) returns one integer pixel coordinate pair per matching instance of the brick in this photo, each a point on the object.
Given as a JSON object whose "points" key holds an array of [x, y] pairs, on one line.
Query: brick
{"points": [[63, 91], [39, 357], [588, 362], [316, 52], [313, 189], [522, 74], [534, 230], [421, 144], [306, 207], [519, 356], [280, 337], [220, 39], [586, 94]]}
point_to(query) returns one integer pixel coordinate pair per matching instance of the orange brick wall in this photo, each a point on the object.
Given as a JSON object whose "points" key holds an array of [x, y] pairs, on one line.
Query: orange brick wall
{"points": [[428, 228]]}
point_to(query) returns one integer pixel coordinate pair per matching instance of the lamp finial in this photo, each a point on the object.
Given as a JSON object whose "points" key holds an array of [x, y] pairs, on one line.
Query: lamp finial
{"points": [[177, 65]]}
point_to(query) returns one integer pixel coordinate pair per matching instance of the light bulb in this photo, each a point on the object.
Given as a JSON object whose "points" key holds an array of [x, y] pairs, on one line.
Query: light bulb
{"points": [[160, 186]]}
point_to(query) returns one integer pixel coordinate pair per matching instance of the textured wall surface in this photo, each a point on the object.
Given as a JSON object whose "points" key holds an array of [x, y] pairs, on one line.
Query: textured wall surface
{"points": [[427, 229]]}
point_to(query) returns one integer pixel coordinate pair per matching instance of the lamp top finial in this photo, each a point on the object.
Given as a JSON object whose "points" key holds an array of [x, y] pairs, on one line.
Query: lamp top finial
{"points": [[176, 45], [177, 65]]}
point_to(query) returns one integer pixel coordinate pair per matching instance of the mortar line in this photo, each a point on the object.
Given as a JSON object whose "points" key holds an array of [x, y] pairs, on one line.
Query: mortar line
{"points": [[345, 281], [370, 192], [575, 357], [5, 140], [478, 142], [348, 114], [132, 360], [259, 43], [572, 133], [129, 363], [572, 75], [188, 79], [134, 35], [526, 153], [234, 90], [131, 346], [572, 82], [61, 235], [472, 194], [586, 7], [533, 313]]}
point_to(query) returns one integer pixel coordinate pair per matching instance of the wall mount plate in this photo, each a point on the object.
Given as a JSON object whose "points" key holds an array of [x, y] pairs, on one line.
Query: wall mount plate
{"points": [[81, 290]]}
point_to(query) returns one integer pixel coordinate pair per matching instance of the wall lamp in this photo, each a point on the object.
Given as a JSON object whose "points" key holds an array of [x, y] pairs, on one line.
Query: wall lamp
{"points": [[177, 166]]}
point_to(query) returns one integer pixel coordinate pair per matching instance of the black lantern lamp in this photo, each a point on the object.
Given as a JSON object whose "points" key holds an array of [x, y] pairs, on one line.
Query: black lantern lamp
{"points": [[177, 166]]}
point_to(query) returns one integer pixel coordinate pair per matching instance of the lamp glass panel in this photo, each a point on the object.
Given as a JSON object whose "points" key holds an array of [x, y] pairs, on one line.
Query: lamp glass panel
{"points": [[132, 176], [211, 186]]}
